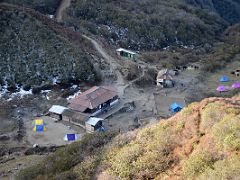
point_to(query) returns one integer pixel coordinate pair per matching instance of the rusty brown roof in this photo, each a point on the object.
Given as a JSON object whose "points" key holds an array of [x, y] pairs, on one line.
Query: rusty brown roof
{"points": [[92, 98]]}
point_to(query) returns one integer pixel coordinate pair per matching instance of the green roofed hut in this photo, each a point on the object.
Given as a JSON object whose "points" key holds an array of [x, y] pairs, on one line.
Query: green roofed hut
{"points": [[126, 54]]}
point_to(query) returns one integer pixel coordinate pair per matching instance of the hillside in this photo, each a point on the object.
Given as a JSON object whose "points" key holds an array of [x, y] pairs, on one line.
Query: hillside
{"points": [[140, 25], [227, 9], [200, 142], [43, 6], [36, 51]]}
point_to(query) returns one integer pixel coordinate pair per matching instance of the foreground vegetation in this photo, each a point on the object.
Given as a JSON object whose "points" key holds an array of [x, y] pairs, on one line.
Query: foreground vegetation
{"points": [[200, 142]]}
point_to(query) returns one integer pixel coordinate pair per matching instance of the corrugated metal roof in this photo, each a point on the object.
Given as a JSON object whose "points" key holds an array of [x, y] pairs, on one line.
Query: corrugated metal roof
{"points": [[92, 98], [125, 50], [93, 121], [57, 109]]}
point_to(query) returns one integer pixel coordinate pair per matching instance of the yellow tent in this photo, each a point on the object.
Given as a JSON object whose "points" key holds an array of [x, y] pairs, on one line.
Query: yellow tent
{"points": [[38, 122]]}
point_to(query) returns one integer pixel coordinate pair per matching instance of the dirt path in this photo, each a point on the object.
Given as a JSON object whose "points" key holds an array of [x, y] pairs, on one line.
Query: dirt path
{"points": [[120, 84], [64, 5]]}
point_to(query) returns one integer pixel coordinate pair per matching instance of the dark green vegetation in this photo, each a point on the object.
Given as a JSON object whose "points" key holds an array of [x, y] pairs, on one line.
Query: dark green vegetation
{"points": [[227, 9], [223, 52], [43, 6], [140, 25], [200, 142], [34, 52], [212, 57], [146, 25]]}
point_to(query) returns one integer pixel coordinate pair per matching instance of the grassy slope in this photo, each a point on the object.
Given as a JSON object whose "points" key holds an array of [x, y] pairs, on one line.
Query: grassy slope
{"points": [[140, 25], [198, 143], [34, 50]]}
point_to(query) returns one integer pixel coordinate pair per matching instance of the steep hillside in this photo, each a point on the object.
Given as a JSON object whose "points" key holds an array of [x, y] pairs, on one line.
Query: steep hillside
{"points": [[34, 51], [200, 142], [43, 6], [145, 25], [227, 9]]}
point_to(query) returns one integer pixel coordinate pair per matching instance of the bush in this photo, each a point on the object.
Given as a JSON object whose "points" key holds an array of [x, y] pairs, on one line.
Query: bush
{"points": [[146, 155], [212, 114], [226, 132], [224, 169], [196, 165]]}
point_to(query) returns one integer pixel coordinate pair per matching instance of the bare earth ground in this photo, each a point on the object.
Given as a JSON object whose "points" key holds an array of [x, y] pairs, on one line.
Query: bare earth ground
{"points": [[64, 4], [54, 134]]}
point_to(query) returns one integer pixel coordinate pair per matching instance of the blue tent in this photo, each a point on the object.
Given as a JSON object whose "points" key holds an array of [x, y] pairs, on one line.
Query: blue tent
{"points": [[71, 137], [39, 128], [175, 107], [224, 79]]}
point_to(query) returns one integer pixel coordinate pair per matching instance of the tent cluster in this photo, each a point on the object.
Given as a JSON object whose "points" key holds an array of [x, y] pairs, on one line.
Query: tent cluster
{"points": [[222, 88], [39, 125]]}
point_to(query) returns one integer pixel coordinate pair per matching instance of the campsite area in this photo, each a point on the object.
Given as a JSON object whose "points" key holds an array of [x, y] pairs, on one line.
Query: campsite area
{"points": [[54, 134], [138, 106]]}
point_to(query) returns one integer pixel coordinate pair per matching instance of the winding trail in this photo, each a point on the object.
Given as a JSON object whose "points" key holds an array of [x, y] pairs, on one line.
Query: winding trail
{"points": [[120, 84], [63, 5]]}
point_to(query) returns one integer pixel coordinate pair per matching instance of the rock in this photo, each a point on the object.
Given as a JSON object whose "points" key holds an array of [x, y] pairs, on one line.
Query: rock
{"points": [[4, 137]]}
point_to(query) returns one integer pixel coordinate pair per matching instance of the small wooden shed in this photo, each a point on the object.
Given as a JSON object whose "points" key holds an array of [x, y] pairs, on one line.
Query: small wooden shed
{"points": [[56, 112], [75, 117], [93, 124]]}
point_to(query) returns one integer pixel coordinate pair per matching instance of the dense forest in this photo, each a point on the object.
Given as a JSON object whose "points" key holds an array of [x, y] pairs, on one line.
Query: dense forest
{"points": [[141, 26]]}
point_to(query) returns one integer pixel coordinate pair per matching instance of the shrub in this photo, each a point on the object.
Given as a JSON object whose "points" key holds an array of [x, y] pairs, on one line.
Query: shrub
{"points": [[196, 165], [86, 169], [146, 155], [212, 114], [225, 169], [226, 132]]}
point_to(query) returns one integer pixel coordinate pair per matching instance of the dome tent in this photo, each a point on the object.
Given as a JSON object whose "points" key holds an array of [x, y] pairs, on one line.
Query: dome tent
{"points": [[224, 79], [175, 107]]}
